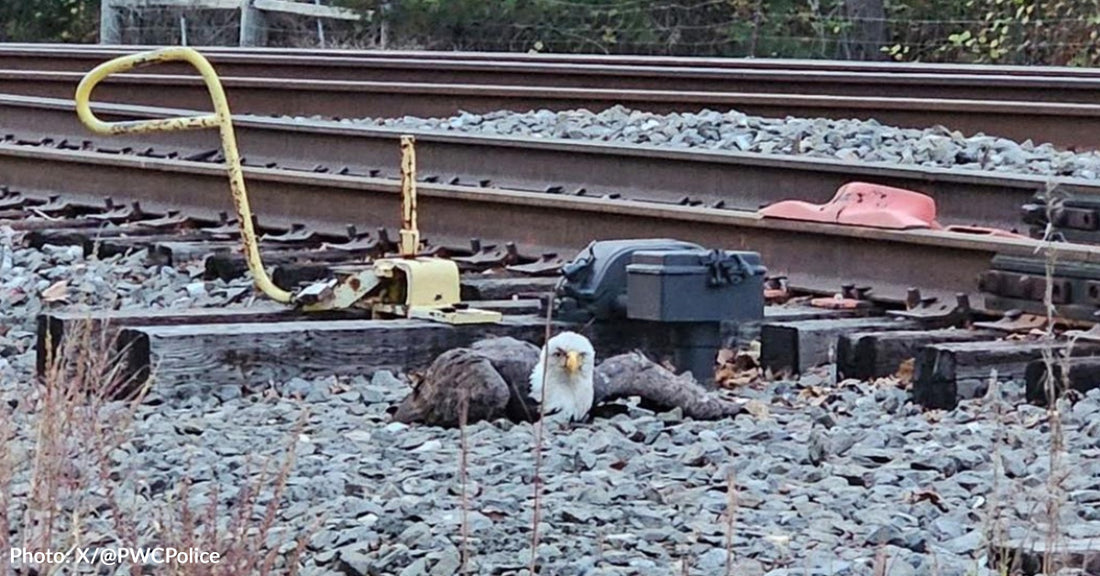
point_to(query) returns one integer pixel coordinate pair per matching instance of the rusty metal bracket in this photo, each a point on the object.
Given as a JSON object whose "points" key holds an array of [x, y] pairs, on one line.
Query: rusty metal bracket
{"points": [[929, 310], [13, 201], [298, 234], [56, 206], [1015, 321], [1025, 286], [1090, 335], [549, 264], [173, 220], [118, 214], [850, 297], [220, 119], [776, 289], [488, 256]]}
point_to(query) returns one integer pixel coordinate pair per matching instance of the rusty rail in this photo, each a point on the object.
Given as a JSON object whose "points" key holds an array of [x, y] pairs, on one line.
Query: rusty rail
{"points": [[838, 78], [816, 257], [737, 180], [1059, 123]]}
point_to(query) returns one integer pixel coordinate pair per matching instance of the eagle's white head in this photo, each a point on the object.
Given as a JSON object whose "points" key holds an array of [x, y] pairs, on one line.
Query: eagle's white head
{"points": [[566, 367]]}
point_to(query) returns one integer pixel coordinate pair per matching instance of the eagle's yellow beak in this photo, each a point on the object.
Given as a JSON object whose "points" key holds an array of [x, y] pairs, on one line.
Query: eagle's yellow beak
{"points": [[572, 361]]}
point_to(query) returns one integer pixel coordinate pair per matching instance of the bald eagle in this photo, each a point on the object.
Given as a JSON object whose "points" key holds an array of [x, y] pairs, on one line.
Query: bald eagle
{"points": [[563, 377], [502, 377]]}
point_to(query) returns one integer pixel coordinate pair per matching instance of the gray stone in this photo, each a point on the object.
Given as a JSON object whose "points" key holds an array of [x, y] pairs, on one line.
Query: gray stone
{"points": [[712, 561], [419, 567], [448, 563], [967, 543], [353, 562]]}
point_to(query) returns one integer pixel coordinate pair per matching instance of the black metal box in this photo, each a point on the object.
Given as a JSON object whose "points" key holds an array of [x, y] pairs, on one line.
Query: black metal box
{"points": [[695, 286]]}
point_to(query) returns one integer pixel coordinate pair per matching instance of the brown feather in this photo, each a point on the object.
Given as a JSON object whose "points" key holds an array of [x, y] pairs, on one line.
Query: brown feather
{"points": [[488, 377], [493, 375], [633, 374]]}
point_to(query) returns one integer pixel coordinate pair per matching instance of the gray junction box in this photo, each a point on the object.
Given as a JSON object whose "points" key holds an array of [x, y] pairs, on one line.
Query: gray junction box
{"points": [[695, 286], [673, 283]]}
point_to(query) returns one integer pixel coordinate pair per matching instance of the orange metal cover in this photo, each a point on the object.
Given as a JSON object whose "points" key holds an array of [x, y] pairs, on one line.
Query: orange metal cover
{"points": [[863, 204]]}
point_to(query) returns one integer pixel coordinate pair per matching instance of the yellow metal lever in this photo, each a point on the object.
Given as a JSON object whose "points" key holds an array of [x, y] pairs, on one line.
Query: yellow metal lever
{"points": [[410, 234], [220, 119]]}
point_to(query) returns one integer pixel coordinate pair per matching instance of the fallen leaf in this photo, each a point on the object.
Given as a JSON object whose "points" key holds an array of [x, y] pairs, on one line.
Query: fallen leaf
{"points": [[494, 515], [56, 292], [906, 370], [933, 416], [889, 382], [928, 496], [738, 368], [16, 296], [758, 409], [815, 395], [338, 386]]}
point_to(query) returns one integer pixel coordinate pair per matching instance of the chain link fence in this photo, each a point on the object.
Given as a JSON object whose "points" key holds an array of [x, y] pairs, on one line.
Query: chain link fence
{"points": [[1051, 32]]}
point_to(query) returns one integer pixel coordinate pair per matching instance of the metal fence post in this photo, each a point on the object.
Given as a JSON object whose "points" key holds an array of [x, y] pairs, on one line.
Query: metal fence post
{"points": [[110, 25], [253, 25]]}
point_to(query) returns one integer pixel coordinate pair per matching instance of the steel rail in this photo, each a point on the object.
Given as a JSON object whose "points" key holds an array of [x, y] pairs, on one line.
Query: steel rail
{"points": [[815, 257], [975, 86], [736, 179], [1070, 125], [61, 51]]}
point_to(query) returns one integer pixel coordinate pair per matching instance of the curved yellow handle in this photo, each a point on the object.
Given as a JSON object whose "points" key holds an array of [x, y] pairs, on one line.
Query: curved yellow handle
{"points": [[220, 118]]}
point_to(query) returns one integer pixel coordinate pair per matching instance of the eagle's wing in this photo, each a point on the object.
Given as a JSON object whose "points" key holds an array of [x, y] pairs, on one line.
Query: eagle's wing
{"points": [[514, 360], [633, 374], [458, 379]]}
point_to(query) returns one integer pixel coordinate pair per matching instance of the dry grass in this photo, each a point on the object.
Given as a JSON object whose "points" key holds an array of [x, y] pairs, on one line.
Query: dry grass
{"points": [[1048, 514], [58, 448], [1055, 489], [536, 515], [731, 518], [463, 467], [243, 543]]}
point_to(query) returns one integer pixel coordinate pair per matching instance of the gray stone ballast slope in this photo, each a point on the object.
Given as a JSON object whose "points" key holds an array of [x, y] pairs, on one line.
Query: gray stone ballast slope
{"points": [[849, 140], [820, 490]]}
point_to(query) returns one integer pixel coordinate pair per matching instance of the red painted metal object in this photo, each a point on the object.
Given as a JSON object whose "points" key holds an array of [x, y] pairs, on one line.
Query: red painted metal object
{"points": [[875, 206], [862, 204]]}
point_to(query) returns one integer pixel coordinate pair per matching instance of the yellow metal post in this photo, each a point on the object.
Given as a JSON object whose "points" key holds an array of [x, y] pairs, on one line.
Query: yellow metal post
{"points": [[410, 235], [220, 119]]}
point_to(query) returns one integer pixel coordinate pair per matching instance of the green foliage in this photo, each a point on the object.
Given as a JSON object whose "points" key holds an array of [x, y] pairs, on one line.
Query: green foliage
{"points": [[1052, 32], [1055, 32], [49, 20], [769, 28]]}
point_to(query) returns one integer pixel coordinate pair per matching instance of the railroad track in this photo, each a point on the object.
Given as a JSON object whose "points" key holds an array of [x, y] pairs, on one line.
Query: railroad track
{"points": [[510, 181], [1066, 125], [1056, 84], [312, 179], [520, 240], [716, 179], [1058, 109], [816, 257], [510, 212]]}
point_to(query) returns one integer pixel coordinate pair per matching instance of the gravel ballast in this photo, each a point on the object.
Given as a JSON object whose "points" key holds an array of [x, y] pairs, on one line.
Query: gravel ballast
{"points": [[826, 478], [731, 131]]}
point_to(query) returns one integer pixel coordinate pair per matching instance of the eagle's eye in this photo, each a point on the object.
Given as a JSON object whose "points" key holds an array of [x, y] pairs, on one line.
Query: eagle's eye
{"points": [[558, 352]]}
